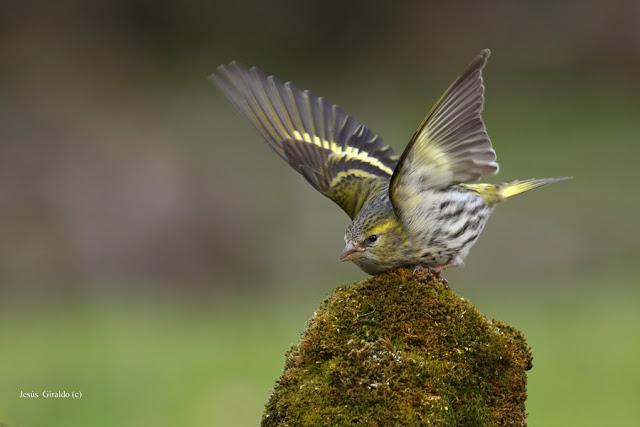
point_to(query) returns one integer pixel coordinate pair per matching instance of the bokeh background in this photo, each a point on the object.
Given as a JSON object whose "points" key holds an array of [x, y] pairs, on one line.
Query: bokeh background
{"points": [[157, 257]]}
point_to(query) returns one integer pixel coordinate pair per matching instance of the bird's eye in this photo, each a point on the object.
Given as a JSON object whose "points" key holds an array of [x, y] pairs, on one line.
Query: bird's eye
{"points": [[372, 238]]}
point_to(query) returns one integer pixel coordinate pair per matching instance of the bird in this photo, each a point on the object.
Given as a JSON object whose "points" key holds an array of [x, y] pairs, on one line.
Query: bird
{"points": [[424, 209]]}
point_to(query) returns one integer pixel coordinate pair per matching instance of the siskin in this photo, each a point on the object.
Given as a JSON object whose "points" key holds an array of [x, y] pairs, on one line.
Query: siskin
{"points": [[422, 209]]}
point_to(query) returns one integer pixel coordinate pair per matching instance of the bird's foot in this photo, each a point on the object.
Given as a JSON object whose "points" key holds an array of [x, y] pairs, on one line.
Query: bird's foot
{"points": [[440, 268], [423, 271]]}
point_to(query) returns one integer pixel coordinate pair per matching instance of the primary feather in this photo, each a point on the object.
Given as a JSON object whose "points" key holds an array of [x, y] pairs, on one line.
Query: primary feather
{"points": [[450, 146]]}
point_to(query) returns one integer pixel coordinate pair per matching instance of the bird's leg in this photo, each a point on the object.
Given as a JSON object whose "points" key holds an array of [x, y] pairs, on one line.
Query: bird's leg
{"points": [[440, 268], [421, 270]]}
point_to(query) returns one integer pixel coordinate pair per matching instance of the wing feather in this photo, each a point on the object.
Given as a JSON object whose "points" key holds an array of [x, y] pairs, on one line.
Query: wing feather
{"points": [[450, 146], [335, 153]]}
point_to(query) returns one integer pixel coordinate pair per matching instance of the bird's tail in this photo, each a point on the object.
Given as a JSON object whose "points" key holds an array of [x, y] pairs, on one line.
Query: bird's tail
{"points": [[513, 188], [493, 194]]}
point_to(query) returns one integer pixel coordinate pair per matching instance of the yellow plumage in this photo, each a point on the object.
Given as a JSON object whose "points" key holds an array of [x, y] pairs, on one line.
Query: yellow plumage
{"points": [[492, 193]]}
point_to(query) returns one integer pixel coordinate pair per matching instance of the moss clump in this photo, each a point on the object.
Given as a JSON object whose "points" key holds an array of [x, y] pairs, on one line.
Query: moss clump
{"points": [[402, 349]]}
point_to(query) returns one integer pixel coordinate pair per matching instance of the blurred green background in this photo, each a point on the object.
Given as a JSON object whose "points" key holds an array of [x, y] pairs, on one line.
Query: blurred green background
{"points": [[157, 257]]}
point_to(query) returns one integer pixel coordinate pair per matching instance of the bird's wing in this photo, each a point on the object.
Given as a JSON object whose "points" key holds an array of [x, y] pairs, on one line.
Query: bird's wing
{"points": [[450, 146], [336, 154]]}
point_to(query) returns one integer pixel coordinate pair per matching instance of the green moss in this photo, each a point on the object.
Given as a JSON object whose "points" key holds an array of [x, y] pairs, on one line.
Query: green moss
{"points": [[402, 349]]}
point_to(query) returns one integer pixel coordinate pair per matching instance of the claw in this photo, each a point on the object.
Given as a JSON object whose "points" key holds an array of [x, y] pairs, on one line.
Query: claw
{"points": [[445, 281]]}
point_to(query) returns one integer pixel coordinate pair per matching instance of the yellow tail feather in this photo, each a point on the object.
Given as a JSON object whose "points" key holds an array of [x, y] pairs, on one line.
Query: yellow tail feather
{"points": [[496, 193], [513, 188]]}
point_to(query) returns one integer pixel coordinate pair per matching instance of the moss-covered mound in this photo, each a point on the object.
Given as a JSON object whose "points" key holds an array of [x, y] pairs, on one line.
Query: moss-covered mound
{"points": [[402, 349]]}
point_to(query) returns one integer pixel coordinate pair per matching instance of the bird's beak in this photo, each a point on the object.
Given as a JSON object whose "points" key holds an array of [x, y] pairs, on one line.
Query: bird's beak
{"points": [[351, 251]]}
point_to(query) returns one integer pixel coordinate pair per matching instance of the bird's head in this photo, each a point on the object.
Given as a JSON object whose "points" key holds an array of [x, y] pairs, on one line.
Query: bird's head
{"points": [[370, 240]]}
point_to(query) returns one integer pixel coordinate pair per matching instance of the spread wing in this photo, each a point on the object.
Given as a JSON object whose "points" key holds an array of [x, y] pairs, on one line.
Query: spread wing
{"points": [[335, 153], [450, 146]]}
